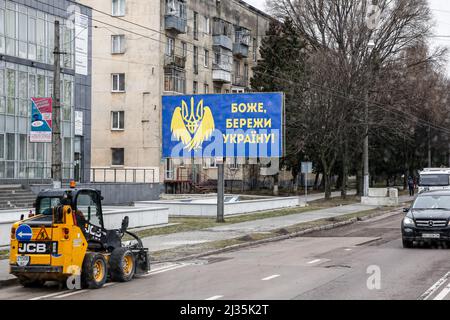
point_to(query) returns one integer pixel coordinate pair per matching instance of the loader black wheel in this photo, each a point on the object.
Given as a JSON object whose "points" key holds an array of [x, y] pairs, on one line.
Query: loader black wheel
{"points": [[122, 265], [31, 283], [95, 271]]}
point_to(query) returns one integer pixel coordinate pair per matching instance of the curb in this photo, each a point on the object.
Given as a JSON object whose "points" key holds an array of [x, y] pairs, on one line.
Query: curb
{"points": [[8, 283], [284, 237]]}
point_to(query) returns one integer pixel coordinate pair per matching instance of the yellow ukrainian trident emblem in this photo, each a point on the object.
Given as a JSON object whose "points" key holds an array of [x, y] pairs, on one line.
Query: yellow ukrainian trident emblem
{"points": [[192, 125]]}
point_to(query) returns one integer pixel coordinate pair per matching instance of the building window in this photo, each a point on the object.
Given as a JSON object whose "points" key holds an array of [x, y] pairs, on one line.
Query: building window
{"points": [[118, 7], [169, 169], [175, 81], [118, 156], [195, 87], [233, 164], [210, 163], [207, 25], [195, 60], [67, 150], [170, 46], [184, 48], [255, 49], [118, 44], [206, 59], [195, 25], [217, 90], [206, 88], [118, 82], [118, 120], [237, 68]]}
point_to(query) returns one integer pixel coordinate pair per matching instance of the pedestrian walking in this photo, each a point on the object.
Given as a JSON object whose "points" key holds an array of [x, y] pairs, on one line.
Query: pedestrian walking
{"points": [[411, 186]]}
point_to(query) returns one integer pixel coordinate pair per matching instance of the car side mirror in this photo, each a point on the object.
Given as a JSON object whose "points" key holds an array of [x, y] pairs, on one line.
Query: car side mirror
{"points": [[405, 210], [125, 223]]}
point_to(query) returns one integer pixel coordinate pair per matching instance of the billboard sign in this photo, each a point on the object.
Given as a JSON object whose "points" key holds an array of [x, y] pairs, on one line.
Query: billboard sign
{"points": [[248, 125], [41, 120]]}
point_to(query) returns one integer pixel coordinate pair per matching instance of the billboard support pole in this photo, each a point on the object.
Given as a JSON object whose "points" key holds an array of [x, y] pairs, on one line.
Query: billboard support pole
{"points": [[56, 124], [220, 192]]}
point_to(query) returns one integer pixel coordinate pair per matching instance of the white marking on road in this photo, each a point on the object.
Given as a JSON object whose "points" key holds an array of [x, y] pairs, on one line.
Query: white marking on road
{"points": [[314, 261], [214, 298], [443, 293], [46, 296], [270, 277], [70, 294], [427, 294], [164, 270], [348, 249]]}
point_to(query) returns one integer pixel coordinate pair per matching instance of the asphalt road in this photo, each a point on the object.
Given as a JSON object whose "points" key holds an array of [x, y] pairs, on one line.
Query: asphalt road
{"points": [[362, 261]]}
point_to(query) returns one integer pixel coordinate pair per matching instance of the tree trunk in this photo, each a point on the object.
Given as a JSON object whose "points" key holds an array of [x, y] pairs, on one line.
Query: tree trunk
{"points": [[360, 179], [316, 181], [344, 172]]}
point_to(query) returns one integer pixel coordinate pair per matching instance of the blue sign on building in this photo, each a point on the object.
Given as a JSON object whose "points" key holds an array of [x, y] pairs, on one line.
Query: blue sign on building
{"points": [[223, 125]]}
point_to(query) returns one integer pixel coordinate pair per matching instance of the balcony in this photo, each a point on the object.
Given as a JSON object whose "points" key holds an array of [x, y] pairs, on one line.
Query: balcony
{"points": [[223, 41], [175, 61], [240, 81], [221, 76], [240, 50], [175, 24]]}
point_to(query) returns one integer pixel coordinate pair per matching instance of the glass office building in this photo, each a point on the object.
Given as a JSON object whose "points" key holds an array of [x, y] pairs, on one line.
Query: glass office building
{"points": [[26, 71]]}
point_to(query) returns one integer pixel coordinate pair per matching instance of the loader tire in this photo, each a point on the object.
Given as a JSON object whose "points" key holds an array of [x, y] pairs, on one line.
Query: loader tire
{"points": [[122, 265], [95, 271]]}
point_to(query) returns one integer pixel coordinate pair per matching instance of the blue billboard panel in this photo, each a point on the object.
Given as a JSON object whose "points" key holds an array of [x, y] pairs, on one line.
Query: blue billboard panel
{"points": [[223, 125]]}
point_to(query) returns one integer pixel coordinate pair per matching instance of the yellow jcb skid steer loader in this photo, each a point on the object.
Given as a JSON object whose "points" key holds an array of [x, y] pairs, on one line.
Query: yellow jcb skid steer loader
{"points": [[66, 238]]}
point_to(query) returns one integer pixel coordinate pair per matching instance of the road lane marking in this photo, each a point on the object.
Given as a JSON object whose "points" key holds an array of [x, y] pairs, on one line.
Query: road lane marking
{"points": [[46, 296], [443, 293], [214, 298], [70, 294], [348, 249], [270, 277], [427, 294], [314, 261], [164, 270]]}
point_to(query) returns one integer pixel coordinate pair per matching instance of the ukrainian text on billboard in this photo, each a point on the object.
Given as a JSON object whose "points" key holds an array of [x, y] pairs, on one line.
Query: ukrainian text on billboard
{"points": [[223, 125]]}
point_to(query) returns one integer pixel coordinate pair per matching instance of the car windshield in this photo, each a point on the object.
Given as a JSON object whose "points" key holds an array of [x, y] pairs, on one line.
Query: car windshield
{"points": [[432, 202], [434, 180], [46, 205]]}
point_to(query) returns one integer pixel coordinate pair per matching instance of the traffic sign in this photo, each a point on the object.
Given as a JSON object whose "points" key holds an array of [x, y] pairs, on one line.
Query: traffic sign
{"points": [[306, 167], [24, 233]]}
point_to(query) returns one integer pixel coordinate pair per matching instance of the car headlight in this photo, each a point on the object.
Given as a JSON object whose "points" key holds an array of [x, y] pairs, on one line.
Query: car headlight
{"points": [[407, 221]]}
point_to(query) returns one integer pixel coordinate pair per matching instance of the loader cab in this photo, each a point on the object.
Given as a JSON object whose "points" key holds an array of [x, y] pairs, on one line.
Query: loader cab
{"points": [[86, 203]]}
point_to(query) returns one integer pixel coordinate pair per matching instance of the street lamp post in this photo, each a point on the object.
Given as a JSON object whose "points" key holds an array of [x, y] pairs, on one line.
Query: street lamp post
{"points": [[366, 130]]}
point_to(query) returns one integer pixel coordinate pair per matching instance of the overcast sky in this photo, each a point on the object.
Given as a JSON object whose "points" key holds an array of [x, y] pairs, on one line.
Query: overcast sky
{"points": [[441, 12]]}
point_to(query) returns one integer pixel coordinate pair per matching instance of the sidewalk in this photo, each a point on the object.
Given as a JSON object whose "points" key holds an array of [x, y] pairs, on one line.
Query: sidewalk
{"points": [[226, 232]]}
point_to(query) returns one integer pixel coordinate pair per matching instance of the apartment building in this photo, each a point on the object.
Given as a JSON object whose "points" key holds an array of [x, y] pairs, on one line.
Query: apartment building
{"points": [[26, 71], [143, 50]]}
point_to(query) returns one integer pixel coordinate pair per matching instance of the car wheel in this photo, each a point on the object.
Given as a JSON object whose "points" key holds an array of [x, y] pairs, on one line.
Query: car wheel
{"points": [[407, 244]]}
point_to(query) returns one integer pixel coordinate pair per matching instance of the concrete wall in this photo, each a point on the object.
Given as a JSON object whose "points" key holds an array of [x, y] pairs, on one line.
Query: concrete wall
{"points": [[139, 217], [119, 193], [178, 208]]}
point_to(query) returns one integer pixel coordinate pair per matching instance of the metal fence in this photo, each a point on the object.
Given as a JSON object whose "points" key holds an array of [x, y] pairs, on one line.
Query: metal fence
{"points": [[42, 174]]}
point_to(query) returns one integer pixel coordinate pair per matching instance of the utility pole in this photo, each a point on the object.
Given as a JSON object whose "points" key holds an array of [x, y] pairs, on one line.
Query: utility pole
{"points": [[430, 164], [56, 114], [220, 191], [366, 145]]}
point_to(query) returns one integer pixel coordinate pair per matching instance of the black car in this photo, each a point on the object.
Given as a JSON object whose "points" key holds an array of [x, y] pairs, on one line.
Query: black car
{"points": [[427, 219]]}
